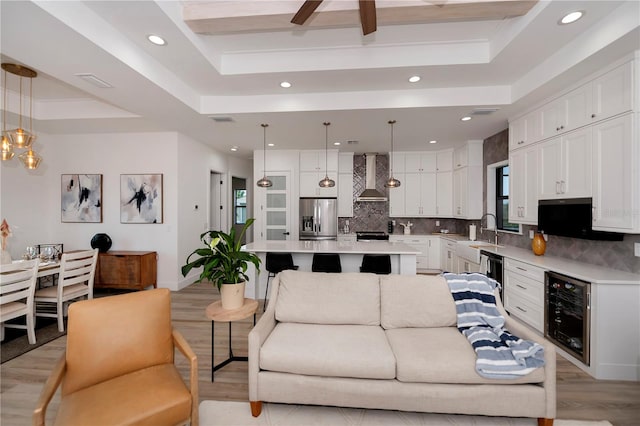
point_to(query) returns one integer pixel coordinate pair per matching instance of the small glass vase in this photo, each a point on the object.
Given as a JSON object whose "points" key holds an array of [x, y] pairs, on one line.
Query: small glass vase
{"points": [[538, 244]]}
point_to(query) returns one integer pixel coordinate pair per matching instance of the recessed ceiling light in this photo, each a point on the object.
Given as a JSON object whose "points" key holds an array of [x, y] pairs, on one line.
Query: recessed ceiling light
{"points": [[156, 39], [465, 118], [271, 144], [433, 141], [336, 143], [414, 79], [285, 84], [571, 17], [234, 148]]}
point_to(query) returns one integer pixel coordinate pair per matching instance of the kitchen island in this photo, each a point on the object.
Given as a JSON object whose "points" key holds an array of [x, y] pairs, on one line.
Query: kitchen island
{"points": [[403, 257]]}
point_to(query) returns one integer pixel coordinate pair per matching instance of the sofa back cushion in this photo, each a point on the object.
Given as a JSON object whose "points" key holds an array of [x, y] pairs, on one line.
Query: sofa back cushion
{"points": [[416, 301], [325, 298]]}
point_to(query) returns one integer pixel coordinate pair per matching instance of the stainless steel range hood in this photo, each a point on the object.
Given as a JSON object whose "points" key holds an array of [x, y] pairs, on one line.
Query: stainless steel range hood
{"points": [[371, 193]]}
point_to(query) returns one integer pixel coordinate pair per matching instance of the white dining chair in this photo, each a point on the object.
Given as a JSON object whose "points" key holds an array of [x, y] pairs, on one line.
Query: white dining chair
{"points": [[17, 287], [77, 271]]}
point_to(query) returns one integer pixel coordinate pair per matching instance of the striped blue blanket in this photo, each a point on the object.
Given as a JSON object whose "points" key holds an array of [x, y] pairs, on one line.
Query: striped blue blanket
{"points": [[500, 355]]}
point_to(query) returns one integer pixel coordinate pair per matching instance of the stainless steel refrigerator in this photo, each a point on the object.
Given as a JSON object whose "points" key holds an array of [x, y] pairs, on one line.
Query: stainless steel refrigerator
{"points": [[318, 218]]}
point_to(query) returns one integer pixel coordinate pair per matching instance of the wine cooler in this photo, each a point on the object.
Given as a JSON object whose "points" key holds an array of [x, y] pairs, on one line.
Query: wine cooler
{"points": [[567, 314]]}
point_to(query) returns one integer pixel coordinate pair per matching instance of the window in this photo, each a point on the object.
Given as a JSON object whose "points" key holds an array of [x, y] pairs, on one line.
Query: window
{"points": [[240, 206], [502, 200]]}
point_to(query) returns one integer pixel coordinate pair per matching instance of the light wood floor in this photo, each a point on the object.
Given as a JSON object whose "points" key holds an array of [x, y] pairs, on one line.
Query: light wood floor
{"points": [[579, 396]]}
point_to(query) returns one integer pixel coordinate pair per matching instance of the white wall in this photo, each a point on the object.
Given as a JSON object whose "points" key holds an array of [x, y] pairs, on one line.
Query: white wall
{"points": [[30, 200]]}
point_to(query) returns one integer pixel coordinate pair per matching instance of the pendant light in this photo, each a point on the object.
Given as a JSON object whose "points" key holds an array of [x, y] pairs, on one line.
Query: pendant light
{"points": [[264, 182], [326, 182], [7, 148], [392, 182]]}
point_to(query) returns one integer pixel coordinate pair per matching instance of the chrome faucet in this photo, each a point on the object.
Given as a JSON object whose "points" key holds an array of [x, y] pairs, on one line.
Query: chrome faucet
{"points": [[495, 229]]}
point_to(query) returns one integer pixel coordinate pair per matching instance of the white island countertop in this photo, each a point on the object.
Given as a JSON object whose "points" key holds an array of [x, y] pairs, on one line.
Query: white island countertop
{"points": [[341, 247]]}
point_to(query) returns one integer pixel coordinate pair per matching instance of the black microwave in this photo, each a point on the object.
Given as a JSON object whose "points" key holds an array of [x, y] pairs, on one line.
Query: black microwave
{"points": [[571, 217]]}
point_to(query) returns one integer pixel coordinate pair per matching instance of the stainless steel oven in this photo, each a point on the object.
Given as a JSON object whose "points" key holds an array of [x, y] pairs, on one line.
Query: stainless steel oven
{"points": [[567, 314]]}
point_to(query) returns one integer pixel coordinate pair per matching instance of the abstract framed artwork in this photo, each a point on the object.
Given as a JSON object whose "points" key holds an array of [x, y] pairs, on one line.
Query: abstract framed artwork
{"points": [[141, 198], [81, 198]]}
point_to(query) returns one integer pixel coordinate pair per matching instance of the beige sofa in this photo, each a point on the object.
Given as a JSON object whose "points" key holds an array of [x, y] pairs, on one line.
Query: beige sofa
{"points": [[386, 342]]}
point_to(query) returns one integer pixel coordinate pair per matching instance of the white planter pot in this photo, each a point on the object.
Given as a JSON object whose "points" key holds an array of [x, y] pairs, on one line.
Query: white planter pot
{"points": [[232, 295]]}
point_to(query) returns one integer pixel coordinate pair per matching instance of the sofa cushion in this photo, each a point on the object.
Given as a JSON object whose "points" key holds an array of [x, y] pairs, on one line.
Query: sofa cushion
{"points": [[441, 355], [360, 351], [416, 301], [324, 298]]}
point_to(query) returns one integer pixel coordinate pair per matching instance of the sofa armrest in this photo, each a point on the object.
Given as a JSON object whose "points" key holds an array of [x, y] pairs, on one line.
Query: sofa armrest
{"points": [[257, 336], [183, 346], [549, 384], [49, 389]]}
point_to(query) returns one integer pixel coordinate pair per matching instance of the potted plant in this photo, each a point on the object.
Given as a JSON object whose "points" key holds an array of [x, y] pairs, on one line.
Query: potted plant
{"points": [[224, 263]]}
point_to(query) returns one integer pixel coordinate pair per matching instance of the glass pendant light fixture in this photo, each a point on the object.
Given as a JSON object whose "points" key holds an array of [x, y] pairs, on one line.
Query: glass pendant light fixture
{"points": [[326, 182], [392, 182], [19, 138], [7, 148], [264, 182]]}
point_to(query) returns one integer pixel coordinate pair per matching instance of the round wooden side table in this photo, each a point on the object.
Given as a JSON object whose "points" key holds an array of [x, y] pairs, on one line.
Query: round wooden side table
{"points": [[215, 313]]}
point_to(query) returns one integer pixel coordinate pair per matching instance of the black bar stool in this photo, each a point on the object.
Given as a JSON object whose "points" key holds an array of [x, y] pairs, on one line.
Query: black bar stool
{"points": [[276, 262], [326, 262], [376, 263]]}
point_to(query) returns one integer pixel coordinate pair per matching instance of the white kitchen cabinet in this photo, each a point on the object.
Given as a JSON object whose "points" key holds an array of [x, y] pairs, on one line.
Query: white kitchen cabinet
{"points": [[525, 130], [346, 238], [420, 162], [345, 184], [465, 265], [467, 193], [422, 190], [314, 161], [448, 257], [467, 181], [397, 196], [444, 160], [444, 194], [616, 171], [565, 166], [524, 292], [312, 170], [429, 256], [309, 185], [567, 113], [523, 185], [613, 92]]}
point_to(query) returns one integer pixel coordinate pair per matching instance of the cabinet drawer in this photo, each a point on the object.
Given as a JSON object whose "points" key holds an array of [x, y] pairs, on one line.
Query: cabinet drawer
{"points": [[526, 311], [525, 269], [123, 270], [524, 287]]}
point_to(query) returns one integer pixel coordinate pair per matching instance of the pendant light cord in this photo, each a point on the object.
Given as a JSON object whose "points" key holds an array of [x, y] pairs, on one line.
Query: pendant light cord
{"points": [[326, 148], [4, 105], [264, 147], [392, 122]]}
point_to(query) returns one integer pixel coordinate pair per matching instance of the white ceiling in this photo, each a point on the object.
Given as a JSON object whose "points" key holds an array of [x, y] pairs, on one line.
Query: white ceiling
{"points": [[356, 82]]}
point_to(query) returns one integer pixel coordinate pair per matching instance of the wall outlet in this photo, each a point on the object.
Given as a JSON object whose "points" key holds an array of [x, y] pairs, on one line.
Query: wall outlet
{"points": [[437, 223], [531, 234], [636, 249]]}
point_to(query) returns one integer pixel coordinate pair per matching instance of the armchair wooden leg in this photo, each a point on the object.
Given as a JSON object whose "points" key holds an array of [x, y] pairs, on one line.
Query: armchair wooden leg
{"points": [[256, 408], [545, 422]]}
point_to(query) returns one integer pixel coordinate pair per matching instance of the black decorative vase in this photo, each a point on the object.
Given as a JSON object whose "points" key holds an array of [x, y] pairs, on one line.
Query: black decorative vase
{"points": [[102, 242]]}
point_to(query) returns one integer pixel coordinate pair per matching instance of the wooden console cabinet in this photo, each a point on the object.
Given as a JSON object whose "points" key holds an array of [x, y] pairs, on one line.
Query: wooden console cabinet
{"points": [[134, 270]]}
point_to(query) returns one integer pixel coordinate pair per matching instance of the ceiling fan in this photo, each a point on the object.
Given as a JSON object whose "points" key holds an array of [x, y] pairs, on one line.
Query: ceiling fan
{"points": [[367, 14]]}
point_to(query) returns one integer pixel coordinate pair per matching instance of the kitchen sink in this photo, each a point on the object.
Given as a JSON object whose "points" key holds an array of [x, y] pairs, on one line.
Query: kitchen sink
{"points": [[470, 250]]}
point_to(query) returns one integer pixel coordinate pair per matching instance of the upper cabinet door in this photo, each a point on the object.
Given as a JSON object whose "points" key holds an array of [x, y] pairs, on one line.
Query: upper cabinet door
{"points": [[575, 180], [552, 118], [549, 174], [444, 160], [577, 104], [420, 162], [612, 92]]}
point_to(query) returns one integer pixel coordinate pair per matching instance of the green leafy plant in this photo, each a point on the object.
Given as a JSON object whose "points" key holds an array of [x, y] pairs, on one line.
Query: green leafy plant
{"points": [[222, 259]]}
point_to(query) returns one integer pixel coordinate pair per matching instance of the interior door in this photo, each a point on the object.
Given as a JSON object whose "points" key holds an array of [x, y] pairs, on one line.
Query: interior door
{"points": [[276, 208]]}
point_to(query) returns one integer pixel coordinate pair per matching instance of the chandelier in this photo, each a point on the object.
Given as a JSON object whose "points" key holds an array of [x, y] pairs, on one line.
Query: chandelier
{"points": [[19, 138]]}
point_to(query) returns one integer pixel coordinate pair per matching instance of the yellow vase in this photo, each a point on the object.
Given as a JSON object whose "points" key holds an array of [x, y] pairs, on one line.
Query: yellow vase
{"points": [[538, 244]]}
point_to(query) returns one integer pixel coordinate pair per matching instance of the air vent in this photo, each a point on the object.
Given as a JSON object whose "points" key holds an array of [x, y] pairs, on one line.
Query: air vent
{"points": [[352, 142], [484, 111], [92, 79], [222, 119]]}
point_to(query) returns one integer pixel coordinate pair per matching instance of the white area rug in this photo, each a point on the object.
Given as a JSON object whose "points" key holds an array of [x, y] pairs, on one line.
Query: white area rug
{"points": [[230, 413]]}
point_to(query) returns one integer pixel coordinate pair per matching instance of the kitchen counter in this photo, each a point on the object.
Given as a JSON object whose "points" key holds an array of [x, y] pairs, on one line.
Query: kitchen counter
{"points": [[403, 257], [584, 271]]}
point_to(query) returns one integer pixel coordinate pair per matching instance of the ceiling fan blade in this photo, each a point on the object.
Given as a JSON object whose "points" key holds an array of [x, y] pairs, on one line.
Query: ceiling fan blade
{"points": [[305, 11], [368, 16]]}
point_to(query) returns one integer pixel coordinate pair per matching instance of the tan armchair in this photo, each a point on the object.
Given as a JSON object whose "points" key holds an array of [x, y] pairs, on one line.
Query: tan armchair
{"points": [[119, 365]]}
